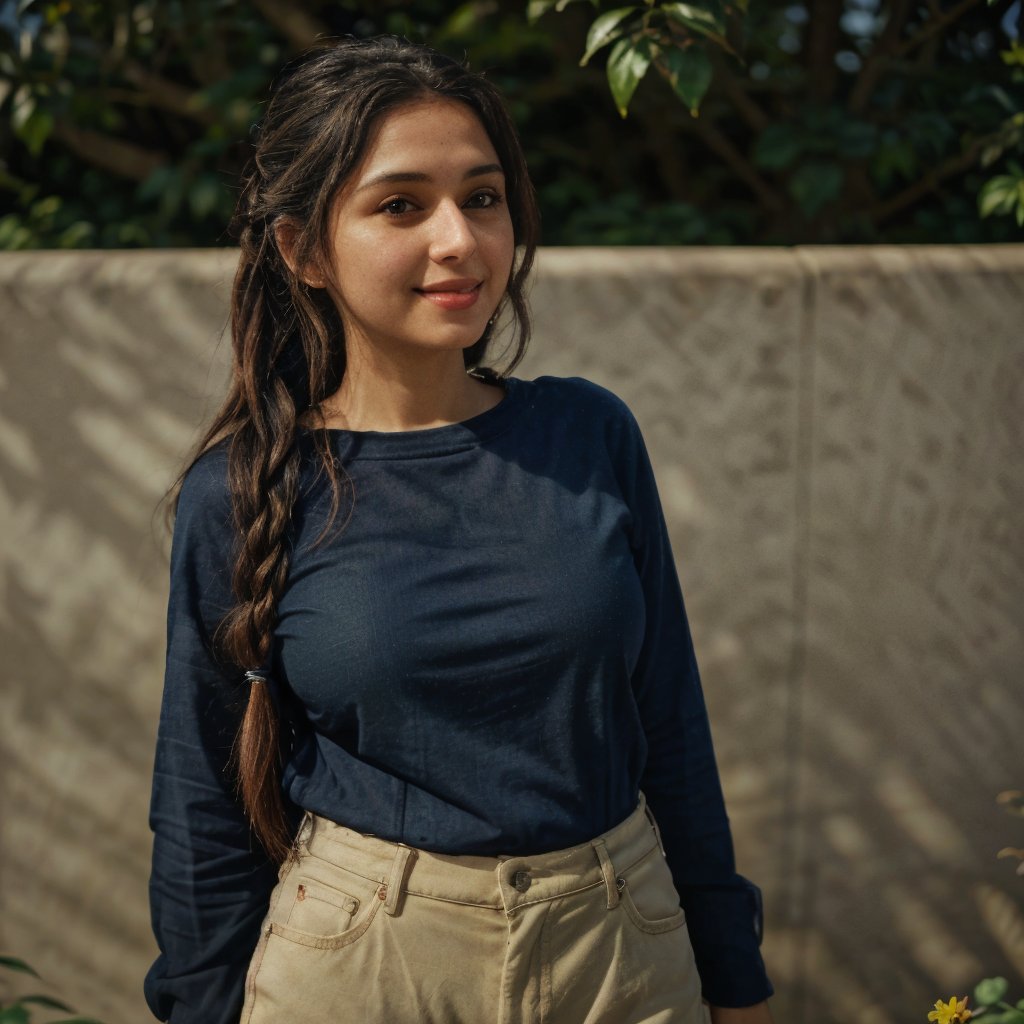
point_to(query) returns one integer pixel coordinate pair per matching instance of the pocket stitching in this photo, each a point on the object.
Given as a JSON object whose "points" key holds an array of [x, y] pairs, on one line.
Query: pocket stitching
{"points": [[327, 942], [327, 894], [656, 927]]}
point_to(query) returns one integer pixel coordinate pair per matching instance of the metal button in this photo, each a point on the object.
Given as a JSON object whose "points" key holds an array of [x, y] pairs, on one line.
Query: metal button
{"points": [[521, 880]]}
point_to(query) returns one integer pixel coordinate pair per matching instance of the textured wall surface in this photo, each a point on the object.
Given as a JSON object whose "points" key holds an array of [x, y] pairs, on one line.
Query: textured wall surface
{"points": [[837, 437]]}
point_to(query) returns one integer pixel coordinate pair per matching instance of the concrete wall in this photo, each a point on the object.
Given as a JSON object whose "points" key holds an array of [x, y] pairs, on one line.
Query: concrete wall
{"points": [[837, 434]]}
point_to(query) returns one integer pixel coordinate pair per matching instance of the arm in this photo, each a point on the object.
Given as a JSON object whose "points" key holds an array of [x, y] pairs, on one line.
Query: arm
{"points": [[681, 779], [210, 881]]}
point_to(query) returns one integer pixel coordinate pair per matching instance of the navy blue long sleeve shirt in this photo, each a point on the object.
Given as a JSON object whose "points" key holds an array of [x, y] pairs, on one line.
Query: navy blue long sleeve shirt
{"points": [[492, 657]]}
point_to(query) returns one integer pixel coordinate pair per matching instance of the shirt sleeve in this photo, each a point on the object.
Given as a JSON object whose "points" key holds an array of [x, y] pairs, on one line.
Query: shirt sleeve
{"points": [[210, 882], [680, 780]]}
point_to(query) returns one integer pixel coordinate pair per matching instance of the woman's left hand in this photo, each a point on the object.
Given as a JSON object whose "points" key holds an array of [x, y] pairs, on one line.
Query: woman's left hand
{"points": [[757, 1014]]}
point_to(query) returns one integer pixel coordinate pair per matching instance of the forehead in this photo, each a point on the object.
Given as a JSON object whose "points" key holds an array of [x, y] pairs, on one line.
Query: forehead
{"points": [[427, 135]]}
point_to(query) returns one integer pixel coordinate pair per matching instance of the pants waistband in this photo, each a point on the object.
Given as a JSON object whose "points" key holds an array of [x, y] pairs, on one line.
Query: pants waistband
{"points": [[502, 883]]}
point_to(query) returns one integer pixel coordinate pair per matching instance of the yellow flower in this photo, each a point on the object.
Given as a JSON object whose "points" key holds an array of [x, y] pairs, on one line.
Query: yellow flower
{"points": [[953, 1012]]}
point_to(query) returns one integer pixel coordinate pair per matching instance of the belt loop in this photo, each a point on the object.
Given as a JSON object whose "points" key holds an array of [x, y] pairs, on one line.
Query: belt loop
{"points": [[300, 843], [396, 883], [657, 831], [607, 872]]}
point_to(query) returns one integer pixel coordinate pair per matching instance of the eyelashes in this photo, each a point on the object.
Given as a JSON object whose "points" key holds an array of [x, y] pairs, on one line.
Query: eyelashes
{"points": [[396, 208]]}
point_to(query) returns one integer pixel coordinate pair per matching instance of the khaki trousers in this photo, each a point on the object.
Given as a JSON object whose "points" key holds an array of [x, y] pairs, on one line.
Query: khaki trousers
{"points": [[374, 932]]}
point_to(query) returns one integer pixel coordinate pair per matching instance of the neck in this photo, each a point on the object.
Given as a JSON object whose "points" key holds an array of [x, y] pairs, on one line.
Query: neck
{"points": [[387, 394]]}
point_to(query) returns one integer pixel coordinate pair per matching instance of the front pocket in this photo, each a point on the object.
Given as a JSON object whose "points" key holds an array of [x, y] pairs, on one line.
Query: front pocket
{"points": [[320, 909], [649, 896], [324, 906], [336, 941]]}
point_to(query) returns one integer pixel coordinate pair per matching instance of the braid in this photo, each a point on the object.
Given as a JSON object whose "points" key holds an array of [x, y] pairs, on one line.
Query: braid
{"points": [[289, 344], [264, 495]]}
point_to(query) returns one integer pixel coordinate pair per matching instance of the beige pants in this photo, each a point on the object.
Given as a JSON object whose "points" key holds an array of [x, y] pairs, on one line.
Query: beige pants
{"points": [[371, 932]]}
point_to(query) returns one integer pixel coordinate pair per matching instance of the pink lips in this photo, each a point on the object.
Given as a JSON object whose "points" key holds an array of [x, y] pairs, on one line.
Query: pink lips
{"points": [[458, 294]]}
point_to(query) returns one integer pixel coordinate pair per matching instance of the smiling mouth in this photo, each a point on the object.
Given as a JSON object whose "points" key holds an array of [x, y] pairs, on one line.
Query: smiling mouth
{"points": [[452, 299], [450, 291]]}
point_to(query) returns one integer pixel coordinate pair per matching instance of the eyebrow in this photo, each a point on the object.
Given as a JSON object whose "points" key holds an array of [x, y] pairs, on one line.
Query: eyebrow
{"points": [[393, 177]]}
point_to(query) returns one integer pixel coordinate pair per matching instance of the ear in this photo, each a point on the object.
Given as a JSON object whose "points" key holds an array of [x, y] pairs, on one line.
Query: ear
{"points": [[286, 234]]}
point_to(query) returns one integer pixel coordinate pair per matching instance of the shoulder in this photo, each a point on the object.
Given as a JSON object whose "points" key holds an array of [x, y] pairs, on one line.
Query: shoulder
{"points": [[204, 501], [583, 397], [594, 414]]}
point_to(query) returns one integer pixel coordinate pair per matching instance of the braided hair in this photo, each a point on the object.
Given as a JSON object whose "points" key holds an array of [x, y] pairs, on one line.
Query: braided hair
{"points": [[288, 340]]}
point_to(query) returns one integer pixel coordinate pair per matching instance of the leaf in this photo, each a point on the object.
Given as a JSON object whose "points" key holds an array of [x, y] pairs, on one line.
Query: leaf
{"points": [[857, 139], [35, 130], [14, 964], [1010, 1016], [627, 64], [537, 8], [997, 196], [76, 236], [778, 146], [14, 1014], [990, 991], [895, 157], [604, 31], [157, 183], [204, 195], [1014, 55], [815, 183], [689, 74], [699, 19]]}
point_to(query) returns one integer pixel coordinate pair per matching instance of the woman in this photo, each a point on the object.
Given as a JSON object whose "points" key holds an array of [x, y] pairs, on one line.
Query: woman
{"points": [[429, 677]]}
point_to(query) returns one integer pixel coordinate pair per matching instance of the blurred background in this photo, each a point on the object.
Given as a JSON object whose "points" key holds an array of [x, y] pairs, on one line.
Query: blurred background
{"points": [[843, 121], [799, 258]]}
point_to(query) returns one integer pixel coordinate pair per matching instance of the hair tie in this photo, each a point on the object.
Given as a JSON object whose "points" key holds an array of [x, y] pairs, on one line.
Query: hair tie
{"points": [[254, 676]]}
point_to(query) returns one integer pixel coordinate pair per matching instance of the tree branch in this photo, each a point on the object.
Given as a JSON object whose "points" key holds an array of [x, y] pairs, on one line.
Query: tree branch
{"points": [[934, 25], [822, 43], [115, 155], [889, 47], [718, 143], [300, 29], [885, 45], [167, 95], [930, 182], [733, 90]]}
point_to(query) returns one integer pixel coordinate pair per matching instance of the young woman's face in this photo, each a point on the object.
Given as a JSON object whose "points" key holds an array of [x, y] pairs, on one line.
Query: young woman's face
{"points": [[421, 238]]}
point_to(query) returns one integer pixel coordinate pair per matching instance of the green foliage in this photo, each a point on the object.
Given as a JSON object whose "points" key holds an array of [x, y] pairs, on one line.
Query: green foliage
{"points": [[989, 996], [662, 34], [20, 1010], [127, 124], [1004, 194], [990, 1004]]}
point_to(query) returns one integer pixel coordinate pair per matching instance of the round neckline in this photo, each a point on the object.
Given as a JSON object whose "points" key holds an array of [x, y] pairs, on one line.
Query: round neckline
{"points": [[426, 441]]}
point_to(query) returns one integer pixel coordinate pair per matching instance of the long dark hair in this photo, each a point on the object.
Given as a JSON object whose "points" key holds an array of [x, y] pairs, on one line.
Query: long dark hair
{"points": [[288, 342]]}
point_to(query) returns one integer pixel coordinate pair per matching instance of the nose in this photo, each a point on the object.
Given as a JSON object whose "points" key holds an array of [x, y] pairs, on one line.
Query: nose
{"points": [[452, 238]]}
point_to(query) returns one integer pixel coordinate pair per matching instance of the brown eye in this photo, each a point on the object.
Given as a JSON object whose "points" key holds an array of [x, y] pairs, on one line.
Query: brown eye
{"points": [[396, 207], [484, 200]]}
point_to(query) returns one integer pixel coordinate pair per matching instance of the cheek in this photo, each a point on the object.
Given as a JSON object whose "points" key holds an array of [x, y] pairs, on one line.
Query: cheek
{"points": [[366, 257], [501, 247]]}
